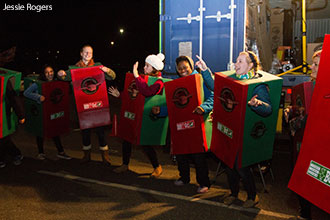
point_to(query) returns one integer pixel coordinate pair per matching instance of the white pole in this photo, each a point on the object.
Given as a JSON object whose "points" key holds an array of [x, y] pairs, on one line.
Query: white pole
{"points": [[201, 9], [231, 49]]}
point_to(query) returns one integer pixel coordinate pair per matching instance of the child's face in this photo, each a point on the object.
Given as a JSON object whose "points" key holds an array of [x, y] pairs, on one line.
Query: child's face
{"points": [[49, 73], [315, 66], [86, 54], [242, 66], [147, 68], [184, 69]]}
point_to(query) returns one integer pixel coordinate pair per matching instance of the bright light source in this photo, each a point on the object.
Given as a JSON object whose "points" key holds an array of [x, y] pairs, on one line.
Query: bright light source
{"points": [[121, 30], [112, 43]]}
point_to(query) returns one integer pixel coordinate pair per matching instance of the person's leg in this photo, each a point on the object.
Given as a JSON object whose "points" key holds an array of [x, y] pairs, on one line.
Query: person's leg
{"points": [[152, 156], [184, 169], [2, 153], [202, 171], [250, 187], [86, 139], [13, 151], [126, 156], [40, 144], [60, 151], [58, 144], [104, 149], [305, 208]]}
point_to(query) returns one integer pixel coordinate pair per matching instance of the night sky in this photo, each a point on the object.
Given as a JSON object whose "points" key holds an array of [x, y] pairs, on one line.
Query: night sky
{"points": [[70, 25]]}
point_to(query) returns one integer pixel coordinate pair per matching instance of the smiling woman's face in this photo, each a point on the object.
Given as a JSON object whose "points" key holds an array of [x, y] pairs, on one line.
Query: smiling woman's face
{"points": [[242, 66]]}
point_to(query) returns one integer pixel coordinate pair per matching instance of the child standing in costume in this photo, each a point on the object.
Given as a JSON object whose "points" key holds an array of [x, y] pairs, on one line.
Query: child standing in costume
{"points": [[246, 67], [7, 147], [86, 60], [185, 67], [31, 92], [153, 65]]}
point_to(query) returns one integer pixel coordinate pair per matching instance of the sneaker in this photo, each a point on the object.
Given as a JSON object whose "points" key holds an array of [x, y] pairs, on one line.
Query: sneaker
{"points": [[157, 172], [179, 182], [64, 156], [123, 168], [229, 200], [18, 160], [2, 164], [41, 156], [202, 189], [251, 203]]}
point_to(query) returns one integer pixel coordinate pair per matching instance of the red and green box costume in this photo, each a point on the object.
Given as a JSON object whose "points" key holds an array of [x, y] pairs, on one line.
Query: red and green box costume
{"points": [[311, 175], [136, 124], [190, 133], [8, 123], [301, 97], [51, 117], [91, 96], [237, 130]]}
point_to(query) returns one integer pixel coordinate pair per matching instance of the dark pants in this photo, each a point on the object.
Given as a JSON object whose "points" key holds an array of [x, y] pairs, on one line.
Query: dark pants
{"points": [[234, 175], [305, 208], [202, 171], [86, 136], [7, 147], [57, 142], [148, 150]]}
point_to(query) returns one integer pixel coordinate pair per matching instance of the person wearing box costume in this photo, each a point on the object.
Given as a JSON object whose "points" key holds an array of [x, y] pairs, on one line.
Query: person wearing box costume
{"points": [[10, 82], [243, 136], [136, 126], [201, 99], [87, 61], [52, 110]]}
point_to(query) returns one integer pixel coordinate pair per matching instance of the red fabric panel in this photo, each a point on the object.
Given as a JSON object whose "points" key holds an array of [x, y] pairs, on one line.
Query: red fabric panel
{"points": [[313, 182], [56, 108], [224, 147], [131, 113], [183, 95], [91, 97]]}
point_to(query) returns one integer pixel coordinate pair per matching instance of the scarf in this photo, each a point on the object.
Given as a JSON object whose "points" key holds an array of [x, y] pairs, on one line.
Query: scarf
{"points": [[248, 75], [82, 64]]}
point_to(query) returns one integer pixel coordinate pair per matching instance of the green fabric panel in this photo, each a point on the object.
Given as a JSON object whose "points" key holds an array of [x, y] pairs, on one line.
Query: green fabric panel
{"points": [[154, 131], [208, 124], [259, 149], [34, 114], [7, 74]]}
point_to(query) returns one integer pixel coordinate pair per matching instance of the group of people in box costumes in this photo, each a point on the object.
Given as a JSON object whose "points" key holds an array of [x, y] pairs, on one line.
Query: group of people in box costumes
{"points": [[202, 113]]}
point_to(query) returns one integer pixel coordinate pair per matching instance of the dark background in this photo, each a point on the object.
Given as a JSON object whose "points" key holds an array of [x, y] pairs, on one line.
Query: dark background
{"points": [[56, 37]]}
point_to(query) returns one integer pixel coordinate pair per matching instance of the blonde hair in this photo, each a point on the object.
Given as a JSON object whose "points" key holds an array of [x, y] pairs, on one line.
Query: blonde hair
{"points": [[251, 58], [317, 54]]}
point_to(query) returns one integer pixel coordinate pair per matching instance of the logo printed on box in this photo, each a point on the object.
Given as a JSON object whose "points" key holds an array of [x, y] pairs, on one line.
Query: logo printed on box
{"points": [[57, 115], [93, 105], [185, 125], [226, 131], [129, 115], [319, 172]]}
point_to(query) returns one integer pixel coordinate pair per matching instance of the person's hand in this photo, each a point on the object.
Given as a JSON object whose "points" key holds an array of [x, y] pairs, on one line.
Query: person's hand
{"points": [[135, 70], [286, 113], [61, 74], [113, 91], [254, 101], [198, 110], [21, 121], [42, 98], [201, 64], [155, 110], [105, 69]]}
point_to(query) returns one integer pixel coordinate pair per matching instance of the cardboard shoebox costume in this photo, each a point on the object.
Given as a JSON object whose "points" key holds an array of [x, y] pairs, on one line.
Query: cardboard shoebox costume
{"points": [[190, 133], [51, 117], [136, 124], [8, 118], [239, 132]]}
